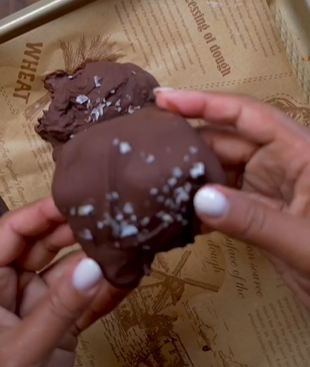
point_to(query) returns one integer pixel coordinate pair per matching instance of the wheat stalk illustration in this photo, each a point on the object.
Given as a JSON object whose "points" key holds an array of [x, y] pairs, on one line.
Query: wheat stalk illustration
{"points": [[96, 49], [297, 113]]}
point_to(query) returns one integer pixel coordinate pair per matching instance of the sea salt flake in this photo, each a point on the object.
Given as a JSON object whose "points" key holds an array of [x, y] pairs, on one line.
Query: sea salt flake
{"points": [[128, 208], [154, 191], [37, 106], [124, 147], [193, 150], [101, 224], [86, 235], [119, 217], [86, 210], [112, 196], [131, 110], [118, 103], [128, 230], [149, 159], [115, 141], [71, 136], [97, 81], [172, 181], [112, 91], [181, 195], [177, 172], [108, 104], [119, 109], [197, 170], [81, 99], [70, 77], [100, 109], [96, 113], [133, 72], [115, 195], [167, 218], [145, 221]]}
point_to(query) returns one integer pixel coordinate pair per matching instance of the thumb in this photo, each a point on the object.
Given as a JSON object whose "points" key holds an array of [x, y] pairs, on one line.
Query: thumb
{"points": [[41, 331], [239, 215]]}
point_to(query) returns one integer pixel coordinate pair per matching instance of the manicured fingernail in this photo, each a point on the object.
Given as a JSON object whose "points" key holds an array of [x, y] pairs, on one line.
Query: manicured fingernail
{"points": [[86, 275], [209, 201], [162, 89]]}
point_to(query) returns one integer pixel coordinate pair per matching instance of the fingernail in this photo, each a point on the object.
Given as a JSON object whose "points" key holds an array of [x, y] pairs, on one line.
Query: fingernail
{"points": [[86, 275], [162, 89], [209, 201]]}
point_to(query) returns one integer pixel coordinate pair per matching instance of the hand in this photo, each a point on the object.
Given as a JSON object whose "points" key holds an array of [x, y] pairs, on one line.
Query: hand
{"points": [[42, 314], [271, 207]]}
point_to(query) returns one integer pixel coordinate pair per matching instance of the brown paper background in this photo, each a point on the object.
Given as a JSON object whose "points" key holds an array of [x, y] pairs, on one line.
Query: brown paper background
{"points": [[217, 303], [292, 19]]}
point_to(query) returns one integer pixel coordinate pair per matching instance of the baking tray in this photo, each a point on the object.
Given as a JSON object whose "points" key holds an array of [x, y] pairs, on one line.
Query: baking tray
{"points": [[35, 15]]}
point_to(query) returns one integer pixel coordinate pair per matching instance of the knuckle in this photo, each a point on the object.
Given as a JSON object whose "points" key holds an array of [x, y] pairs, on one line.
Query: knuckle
{"points": [[60, 309], [254, 221]]}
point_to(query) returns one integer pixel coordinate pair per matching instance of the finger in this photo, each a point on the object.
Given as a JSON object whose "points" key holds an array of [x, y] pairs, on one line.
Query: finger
{"points": [[8, 288], [229, 146], [34, 287], [57, 312], [44, 250], [16, 227], [237, 214], [106, 299], [251, 118]]}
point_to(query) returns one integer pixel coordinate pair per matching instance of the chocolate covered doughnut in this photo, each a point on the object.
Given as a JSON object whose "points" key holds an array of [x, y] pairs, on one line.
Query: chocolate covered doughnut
{"points": [[127, 188], [97, 92], [3, 207]]}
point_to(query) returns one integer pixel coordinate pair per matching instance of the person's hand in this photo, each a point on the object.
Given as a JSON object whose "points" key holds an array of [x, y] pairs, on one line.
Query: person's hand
{"points": [[270, 206], [42, 313]]}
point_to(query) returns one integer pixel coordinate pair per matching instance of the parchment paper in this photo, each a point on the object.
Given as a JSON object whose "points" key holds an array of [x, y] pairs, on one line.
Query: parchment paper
{"points": [[217, 303], [293, 22]]}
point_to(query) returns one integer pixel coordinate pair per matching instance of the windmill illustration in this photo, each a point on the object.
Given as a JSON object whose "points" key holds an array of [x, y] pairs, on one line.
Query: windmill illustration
{"points": [[152, 299], [95, 49], [173, 287]]}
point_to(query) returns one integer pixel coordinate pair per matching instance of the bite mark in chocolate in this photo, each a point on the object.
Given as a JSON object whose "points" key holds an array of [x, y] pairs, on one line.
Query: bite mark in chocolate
{"points": [[96, 93]]}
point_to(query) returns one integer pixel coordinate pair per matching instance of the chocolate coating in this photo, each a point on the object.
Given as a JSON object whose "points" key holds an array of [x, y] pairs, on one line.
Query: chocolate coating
{"points": [[127, 186], [3, 207], [97, 92]]}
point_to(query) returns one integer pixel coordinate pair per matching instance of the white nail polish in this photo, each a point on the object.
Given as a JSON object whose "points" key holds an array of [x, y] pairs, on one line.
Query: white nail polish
{"points": [[209, 201], [162, 89], [86, 275]]}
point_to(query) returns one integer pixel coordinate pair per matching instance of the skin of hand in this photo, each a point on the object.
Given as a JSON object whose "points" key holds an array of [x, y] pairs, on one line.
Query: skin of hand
{"points": [[269, 205], [43, 312]]}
